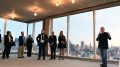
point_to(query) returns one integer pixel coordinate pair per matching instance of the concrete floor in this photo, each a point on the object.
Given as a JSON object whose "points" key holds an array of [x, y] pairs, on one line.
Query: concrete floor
{"points": [[32, 62]]}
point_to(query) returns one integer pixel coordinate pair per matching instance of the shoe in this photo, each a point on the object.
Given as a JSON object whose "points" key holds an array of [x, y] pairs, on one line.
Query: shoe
{"points": [[3, 57], [50, 59], [38, 59]]}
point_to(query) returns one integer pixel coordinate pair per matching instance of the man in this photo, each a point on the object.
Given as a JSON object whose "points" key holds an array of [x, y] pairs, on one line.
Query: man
{"points": [[8, 39], [21, 45], [42, 40], [29, 45], [52, 42], [103, 45]]}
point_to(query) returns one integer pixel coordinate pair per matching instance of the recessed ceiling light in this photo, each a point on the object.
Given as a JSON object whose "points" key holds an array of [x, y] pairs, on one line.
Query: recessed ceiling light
{"points": [[73, 1]]}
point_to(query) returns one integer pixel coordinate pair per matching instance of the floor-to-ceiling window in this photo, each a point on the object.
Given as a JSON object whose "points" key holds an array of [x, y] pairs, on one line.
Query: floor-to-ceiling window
{"points": [[1, 32], [30, 28], [81, 35], [109, 18], [60, 24], [16, 27], [38, 28]]}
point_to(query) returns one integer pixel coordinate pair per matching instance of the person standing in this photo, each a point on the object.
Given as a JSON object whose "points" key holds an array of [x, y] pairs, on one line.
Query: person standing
{"points": [[29, 45], [8, 39], [61, 45], [21, 45], [103, 45], [42, 40], [53, 44]]}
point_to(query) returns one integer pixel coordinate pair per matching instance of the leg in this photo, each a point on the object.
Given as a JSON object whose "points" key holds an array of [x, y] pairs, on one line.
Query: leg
{"points": [[43, 50], [54, 52], [8, 51], [4, 52], [22, 51], [39, 55], [105, 57], [62, 53], [51, 52], [19, 52]]}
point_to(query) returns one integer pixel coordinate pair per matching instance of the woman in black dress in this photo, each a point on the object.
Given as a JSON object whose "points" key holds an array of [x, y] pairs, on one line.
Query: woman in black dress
{"points": [[61, 45]]}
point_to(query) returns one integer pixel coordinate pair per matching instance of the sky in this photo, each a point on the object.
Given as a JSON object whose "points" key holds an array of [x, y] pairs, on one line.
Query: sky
{"points": [[81, 26]]}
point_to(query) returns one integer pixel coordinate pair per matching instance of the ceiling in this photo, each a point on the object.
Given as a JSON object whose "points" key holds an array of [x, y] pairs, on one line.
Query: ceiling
{"points": [[23, 10]]}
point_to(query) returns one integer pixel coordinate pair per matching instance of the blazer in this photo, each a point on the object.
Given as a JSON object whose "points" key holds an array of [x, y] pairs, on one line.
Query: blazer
{"points": [[53, 39], [30, 41], [38, 38], [21, 40], [7, 41], [103, 40]]}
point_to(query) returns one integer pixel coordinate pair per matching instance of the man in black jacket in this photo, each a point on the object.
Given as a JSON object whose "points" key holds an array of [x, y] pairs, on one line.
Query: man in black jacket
{"points": [[29, 45], [42, 40], [52, 42], [8, 39], [103, 45]]}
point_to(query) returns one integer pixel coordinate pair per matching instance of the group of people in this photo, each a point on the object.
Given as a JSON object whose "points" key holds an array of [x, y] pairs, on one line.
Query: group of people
{"points": [[43, 39]]}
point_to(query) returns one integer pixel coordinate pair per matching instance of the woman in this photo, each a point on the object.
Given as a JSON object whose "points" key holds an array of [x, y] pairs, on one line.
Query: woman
{"points": [[61, 45]]}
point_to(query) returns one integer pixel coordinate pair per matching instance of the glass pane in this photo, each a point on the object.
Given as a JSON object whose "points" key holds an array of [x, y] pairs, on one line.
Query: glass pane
{"points": [[16, 27], [60, 24], [1, 32], [109, 18], [81, 35], [38, 28]]}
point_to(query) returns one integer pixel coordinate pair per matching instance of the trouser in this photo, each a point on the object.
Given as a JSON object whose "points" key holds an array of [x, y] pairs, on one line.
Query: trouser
{"points": [[29, 50], [53, 52], [6, 51], [41, 51], [21, 51], [103, 53]]}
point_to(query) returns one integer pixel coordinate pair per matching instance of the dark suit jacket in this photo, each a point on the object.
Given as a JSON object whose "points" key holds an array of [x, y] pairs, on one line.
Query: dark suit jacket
{"points": [[0, 38], [103, 40], [53, 39], [29, 41], [39, 39], [21, 40], [6, 40]]}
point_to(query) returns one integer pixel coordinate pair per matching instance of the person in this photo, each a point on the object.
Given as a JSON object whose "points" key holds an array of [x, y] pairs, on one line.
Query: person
{"points": [[61, 45], [8, 39], [29, 45], [53, 44], [42, 40], [103, 45], [21, 45]]}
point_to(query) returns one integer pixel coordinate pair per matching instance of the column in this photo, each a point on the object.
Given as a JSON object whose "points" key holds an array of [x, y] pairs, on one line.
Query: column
{"points": [[94, 28], [46, 23], [68, 32]]}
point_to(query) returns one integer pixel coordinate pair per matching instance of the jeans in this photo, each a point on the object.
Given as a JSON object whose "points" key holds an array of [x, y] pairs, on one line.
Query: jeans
{"points": [[103, 53]]}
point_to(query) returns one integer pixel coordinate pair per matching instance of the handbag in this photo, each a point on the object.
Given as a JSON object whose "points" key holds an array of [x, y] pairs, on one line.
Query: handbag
{"points": [[12, 44]]}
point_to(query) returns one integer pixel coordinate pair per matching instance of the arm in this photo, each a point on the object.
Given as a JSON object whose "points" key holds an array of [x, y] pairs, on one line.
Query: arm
{"points": [[98, 37], [109, 37]]}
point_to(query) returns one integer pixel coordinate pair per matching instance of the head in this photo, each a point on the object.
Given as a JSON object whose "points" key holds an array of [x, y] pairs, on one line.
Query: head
{"points": [[52, 33], [29, 35], [61, 32], [8, 33], [22, 33], [42, 31], [102, 29]]}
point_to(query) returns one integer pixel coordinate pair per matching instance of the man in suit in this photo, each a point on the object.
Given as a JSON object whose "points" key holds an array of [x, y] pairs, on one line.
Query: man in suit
{"points": [[29, 45], [21, 45], [52, 42], [103, 45], [8, 39], [42, 40]]}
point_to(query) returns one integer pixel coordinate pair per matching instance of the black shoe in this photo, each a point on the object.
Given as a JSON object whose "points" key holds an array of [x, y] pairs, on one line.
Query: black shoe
{"points": [[103, 65], [50, 58], [38, 59], [3, 57]]}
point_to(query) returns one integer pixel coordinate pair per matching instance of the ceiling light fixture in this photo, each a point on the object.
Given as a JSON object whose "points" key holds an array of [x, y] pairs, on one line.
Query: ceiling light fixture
{"points": [[12, 17], [35, 14], [57, 3], [73, 1]]}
